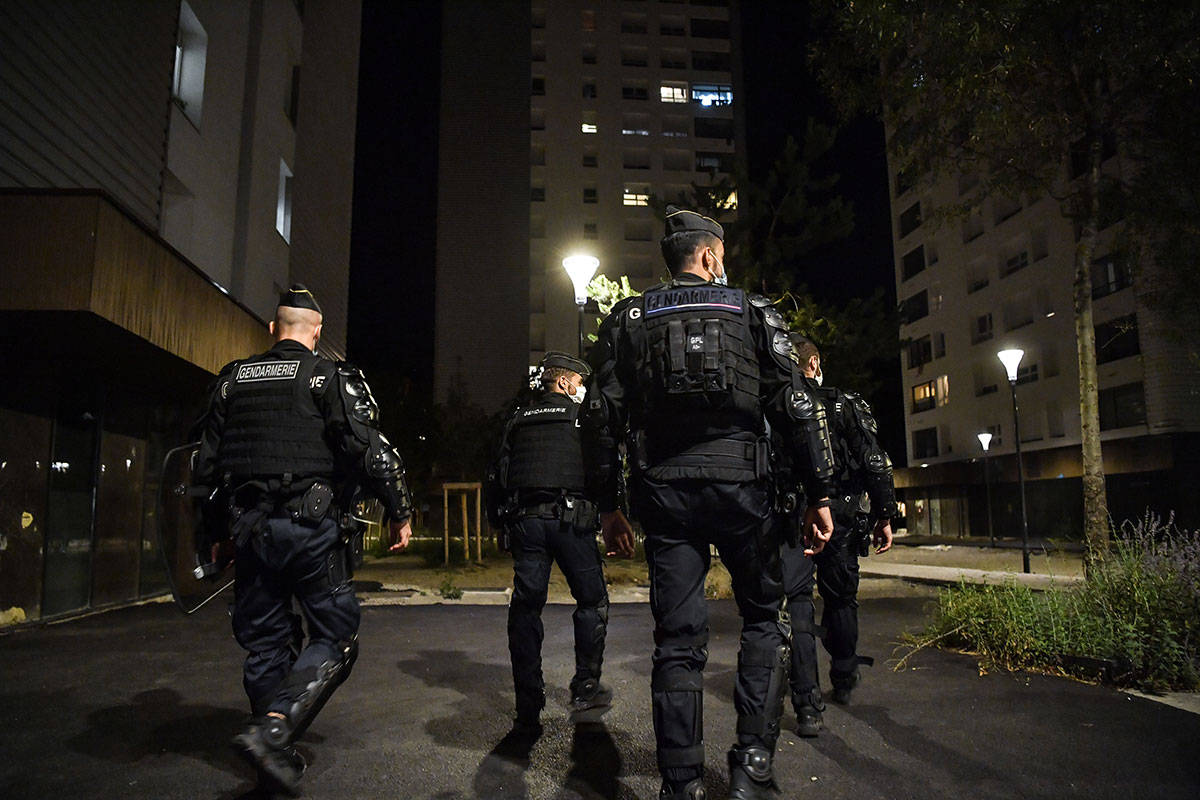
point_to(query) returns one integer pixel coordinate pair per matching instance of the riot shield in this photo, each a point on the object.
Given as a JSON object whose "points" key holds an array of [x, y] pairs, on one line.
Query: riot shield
{"points": [[193, 582]]}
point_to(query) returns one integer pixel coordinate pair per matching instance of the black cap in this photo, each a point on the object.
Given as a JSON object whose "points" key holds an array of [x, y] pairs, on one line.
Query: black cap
{"points": [[555, 358], [680, 220], [299, 297]]}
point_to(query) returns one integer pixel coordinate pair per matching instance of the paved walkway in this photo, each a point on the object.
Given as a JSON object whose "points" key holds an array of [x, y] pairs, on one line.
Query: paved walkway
{"points": [[926, 573], [141, 702]]}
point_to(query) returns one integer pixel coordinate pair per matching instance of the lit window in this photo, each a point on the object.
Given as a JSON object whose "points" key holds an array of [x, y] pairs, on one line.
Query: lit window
{"points": [[191, 53], [943, 390], [635, 131], [673, 92], [708, 94], [283, 210], [636, 196], [729, 203], [587, 127], [924, 397]]}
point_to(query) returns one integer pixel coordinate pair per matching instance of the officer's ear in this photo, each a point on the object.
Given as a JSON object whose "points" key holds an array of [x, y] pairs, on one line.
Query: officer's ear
{"points": [[814, 363], [271, 327]]}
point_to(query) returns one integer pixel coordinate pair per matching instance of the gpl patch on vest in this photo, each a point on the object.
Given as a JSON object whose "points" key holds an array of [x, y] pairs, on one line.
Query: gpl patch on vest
{"points": [[267, 371]]}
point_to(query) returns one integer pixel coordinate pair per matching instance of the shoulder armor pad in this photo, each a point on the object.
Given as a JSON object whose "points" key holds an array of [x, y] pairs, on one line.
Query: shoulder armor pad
{"points": [[353, 380], [346, 369], [758, 300], [781, 344], [228, 368]]}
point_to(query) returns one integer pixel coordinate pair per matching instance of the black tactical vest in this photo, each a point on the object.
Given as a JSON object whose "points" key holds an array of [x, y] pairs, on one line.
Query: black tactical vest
{"points": [[698, 353], [845, 463], [272, 424], [545, 448]]}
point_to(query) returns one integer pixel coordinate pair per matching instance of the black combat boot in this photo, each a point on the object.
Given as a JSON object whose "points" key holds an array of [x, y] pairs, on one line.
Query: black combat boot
{"points": [[265, 745], [843, 685], [529, 711], [692, 790], [750, 773], [808, 713], [590, 700]]}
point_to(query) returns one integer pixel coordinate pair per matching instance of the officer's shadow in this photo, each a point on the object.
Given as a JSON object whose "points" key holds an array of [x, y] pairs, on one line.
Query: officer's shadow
{"points": [[595, 757], [156, 722]]}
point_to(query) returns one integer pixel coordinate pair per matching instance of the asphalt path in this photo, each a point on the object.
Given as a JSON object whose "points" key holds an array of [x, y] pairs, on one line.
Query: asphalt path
{"points": [[141, 703]]}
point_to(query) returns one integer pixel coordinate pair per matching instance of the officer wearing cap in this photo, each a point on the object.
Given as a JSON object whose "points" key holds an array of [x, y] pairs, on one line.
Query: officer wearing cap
{"points": [[535, 495], [286, 438], [685, 375], [862, 471]]}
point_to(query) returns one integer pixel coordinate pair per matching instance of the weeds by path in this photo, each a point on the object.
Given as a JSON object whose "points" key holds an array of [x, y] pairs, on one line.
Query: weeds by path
{"points": [[1140, 607]]}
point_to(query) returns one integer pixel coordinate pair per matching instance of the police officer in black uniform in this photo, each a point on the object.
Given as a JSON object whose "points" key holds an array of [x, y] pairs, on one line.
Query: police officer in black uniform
{"points": [[863, 469], [535, 493], [286, 436], [684, 374]]}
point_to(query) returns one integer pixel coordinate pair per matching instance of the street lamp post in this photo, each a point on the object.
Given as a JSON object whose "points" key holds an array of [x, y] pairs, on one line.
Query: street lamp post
{"points": [[580, 269], [985, 439], [1011, 359]]}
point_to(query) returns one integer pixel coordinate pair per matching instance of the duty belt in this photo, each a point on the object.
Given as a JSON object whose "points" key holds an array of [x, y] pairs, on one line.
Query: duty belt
{"points": [[575, 510], [754, 454]]}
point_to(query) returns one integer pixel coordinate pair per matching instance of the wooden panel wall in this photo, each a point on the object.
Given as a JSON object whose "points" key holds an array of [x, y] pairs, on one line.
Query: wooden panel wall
{"points": [[85, 89], [46, 252]]}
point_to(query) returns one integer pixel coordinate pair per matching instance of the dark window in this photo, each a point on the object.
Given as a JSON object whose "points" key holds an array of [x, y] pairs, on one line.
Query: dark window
{"points": [[537, 194], [924, 397], [589, 230], [981, 328], [293, 106], [672, 26], [634, 93], [633, 23], [904, 182], [915, 307], [721, 162], [1015, 263], [1122, 406], [709, 61], [913, 262], [538, 18], [1027, 373], [1110, 275], [589, 54], [589, 89], [589, 195], [590, 159], [925, 443], [673, 60], [920, 351], [910, 219], [633, 57], [539, 86], [710, 28], [714, 128], [589, 20], [1117, 339]]}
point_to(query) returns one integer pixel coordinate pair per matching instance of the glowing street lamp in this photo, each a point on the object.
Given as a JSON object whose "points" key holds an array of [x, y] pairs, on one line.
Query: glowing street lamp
{"points": [[985, 439], [580, 269], [1011, 360]]}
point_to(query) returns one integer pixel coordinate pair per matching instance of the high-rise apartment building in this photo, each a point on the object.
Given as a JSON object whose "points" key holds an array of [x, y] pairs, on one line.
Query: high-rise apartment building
{"points": [[166, 168], [1002, 278], [621, 99]]}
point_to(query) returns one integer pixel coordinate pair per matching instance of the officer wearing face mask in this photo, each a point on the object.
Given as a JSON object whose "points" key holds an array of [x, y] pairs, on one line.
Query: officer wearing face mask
{"points": [[535, 495], [686, 375], [863, 471]]}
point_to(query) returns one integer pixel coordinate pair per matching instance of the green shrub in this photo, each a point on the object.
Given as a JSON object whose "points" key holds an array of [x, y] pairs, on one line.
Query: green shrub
{"points": [[1140, 606]]}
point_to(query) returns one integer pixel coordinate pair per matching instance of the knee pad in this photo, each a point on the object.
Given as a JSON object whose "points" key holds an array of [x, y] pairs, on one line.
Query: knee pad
{"points": [[316, 685]]}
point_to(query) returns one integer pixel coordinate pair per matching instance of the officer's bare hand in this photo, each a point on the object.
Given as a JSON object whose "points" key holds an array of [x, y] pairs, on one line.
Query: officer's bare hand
{"points": [[401, 532], [618, 534], [223, 553], [882, 536], [818, 527]]}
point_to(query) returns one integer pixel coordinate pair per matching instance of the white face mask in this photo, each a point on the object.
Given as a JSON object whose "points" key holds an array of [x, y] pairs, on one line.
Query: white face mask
{"points": [[577, 398], [819, 377], [723, 278]]}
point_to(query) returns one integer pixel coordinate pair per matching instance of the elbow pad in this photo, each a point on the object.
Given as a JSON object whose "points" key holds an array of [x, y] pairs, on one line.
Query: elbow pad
{"points": [[386, 472], [880, 488], [813, 436]]}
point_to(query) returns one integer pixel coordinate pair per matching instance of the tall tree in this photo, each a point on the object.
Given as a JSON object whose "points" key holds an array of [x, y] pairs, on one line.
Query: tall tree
{"points": [[1031, 96]]}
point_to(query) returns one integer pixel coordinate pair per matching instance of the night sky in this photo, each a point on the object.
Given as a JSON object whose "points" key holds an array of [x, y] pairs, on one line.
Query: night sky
{"points": [[392, 248]]}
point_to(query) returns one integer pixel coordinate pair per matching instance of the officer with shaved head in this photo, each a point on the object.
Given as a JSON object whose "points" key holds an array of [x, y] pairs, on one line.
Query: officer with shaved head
{"points": [[285, 437]]}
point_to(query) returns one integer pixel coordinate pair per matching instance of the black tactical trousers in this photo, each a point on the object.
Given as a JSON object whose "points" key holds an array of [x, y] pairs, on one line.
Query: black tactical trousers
{"points": [[837, 581], [798, 574], [535, 543], [681, 520], [284, 561]]}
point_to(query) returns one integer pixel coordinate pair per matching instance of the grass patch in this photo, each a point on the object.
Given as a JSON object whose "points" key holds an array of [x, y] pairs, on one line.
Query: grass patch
{"points": [[1140, 607]]}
